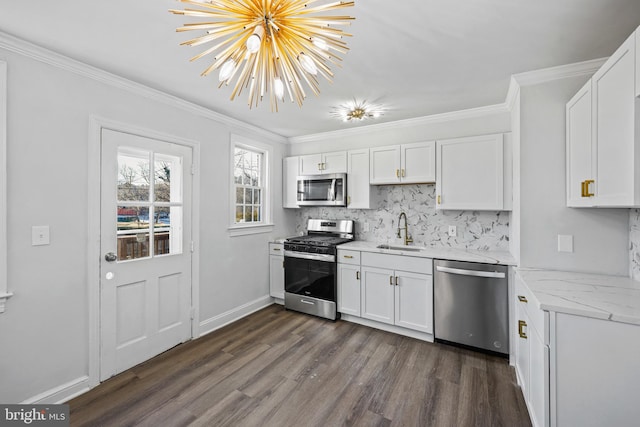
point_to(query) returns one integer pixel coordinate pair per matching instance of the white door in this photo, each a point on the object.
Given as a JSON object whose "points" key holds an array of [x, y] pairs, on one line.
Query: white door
{"points": [[334, 162], [349, 289], [377, 294], [145, 271]]}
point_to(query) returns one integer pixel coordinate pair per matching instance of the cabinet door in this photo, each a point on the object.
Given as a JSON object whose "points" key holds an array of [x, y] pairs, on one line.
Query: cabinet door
{"points": [[349, 289], [538, 396], [385, 165], [414, 301], [470, 173], [418, 162], [334, 162], [276, 276], [311, 164], [359, 191], [637, 33], [579, 148], [614, 127], [377, 294], [290, 172], [522, 349]]}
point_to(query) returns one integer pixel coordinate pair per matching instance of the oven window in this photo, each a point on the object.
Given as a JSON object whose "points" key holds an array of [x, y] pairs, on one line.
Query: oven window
{"points": [[310, 278]]}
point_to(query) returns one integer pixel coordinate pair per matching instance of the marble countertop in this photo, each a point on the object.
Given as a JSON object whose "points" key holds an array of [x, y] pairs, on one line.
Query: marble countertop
{"points": [[615, 298], [488, 257]]}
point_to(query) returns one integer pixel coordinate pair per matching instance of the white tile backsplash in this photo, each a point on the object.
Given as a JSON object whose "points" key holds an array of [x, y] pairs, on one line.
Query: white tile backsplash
{"points": [[475, 229]]}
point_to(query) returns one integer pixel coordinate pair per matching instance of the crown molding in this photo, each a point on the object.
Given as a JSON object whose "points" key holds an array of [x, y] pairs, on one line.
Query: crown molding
{"points": [[38, 53], [585, 68], [470, 113]]}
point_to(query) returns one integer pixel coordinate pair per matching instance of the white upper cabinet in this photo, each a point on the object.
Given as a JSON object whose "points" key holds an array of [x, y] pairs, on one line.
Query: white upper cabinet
{"points": [[638, 62], [579, 144], [290, 172], [474, 173], [616, 155], [359, 192], [603, 142], [403, 164], [316, 164]]}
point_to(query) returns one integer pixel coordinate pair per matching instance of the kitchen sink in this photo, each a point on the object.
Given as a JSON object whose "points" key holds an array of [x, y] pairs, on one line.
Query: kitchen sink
{"points": [[399, 248]]}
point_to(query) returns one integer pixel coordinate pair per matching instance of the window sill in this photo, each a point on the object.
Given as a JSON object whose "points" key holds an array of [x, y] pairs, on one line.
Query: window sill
{"points": [[245, 230], [3, 300]]}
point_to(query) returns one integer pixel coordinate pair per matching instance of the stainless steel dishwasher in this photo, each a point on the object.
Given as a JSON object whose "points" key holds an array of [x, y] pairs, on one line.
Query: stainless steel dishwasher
{"points": [[470, 305]]}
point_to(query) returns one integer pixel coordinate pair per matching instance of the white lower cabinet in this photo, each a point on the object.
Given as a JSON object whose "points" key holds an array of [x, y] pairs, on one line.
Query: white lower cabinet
{"points": [[276, 270], [397, 291], [576, 370]]}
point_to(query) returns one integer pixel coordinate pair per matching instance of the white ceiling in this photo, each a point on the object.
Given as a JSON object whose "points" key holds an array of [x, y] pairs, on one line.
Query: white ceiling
{"points": [[418, 57]]}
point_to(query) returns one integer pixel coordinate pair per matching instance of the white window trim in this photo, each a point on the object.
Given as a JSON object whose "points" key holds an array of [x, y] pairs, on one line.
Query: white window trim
{"points": [[266, 226], [4, 290]]}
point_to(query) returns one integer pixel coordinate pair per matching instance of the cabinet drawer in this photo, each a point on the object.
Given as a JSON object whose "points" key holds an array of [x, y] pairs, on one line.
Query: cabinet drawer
{"points": [[276, 249], [538, 319], [398, 262], [348, 257]]}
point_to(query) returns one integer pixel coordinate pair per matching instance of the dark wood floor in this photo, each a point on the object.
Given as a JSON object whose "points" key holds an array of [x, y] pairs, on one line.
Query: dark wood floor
{"points": [[281, 368]]}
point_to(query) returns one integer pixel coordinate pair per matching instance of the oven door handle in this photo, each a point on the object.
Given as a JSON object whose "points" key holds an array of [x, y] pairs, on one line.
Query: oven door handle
{"points": [[313, 257]]}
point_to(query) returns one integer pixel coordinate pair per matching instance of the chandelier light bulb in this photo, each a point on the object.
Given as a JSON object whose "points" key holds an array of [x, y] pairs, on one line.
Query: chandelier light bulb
{"points": [[308, 64], [278, 87], [320, 43], [227, 70], [255, 40]]}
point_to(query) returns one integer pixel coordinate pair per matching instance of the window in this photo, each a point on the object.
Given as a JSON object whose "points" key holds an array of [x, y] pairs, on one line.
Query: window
{"points": [[250, 202]]}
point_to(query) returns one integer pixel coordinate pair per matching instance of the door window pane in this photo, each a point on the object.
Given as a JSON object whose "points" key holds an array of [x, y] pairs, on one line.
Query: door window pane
{"points": [[162, 180], [133, 176], [162, 231], [133, 232]]}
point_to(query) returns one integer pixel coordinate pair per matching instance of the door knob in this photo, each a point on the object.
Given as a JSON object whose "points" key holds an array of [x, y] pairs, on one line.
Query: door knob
{"points": [[110, 257]]}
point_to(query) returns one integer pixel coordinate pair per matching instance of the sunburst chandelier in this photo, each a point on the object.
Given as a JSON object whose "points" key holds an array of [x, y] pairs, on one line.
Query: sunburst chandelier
{"points": [[272, 46], [355, 111]]}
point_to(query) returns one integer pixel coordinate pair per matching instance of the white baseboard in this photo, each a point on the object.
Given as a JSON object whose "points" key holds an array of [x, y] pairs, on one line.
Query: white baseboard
{"points": [[62, 393], [217, 322], [389, 328]]}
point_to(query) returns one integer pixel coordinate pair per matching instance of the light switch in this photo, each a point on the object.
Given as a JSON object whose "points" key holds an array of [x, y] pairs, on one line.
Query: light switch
{"points": [[565, 243], [39, 235]]}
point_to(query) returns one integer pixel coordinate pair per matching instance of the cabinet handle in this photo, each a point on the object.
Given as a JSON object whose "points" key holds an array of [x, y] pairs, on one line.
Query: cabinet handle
{"points": [[522, 299], [397, 173], [586, 188], [319, 166], [391, 280], [582, 192], [522, 324], [276, 249], [357, 275], [403, 173], [348, 256], [439, 199], [348, 200], [396, 280]]}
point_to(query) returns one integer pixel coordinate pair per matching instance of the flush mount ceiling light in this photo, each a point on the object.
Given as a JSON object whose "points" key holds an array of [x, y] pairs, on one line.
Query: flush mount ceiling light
{"points": [[270, 45], [354, 111]]}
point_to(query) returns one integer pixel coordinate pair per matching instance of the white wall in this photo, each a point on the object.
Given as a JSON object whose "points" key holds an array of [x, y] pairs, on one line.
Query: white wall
{"points": [[600, 236], [44, 331]]}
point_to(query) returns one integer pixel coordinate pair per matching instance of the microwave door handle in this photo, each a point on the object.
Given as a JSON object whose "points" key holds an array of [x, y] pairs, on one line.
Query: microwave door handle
{"points": [[332, 192]]}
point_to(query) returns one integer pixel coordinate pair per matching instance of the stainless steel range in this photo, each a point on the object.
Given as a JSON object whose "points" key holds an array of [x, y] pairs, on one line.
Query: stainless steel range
{"points": [[310, 267]]}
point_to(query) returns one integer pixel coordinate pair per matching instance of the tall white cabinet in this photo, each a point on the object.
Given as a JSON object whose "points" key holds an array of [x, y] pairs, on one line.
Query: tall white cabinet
{"points": [[359, 192], [290, 172], [606, 138]]}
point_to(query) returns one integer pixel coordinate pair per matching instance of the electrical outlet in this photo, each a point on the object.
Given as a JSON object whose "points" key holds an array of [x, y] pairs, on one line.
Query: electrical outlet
{"points": [[565, 243], [453, 231], [39, 235], [365, 227]]}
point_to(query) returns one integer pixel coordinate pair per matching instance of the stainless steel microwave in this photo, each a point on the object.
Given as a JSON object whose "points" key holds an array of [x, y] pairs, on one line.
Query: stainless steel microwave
{"points": [[322, 190]]}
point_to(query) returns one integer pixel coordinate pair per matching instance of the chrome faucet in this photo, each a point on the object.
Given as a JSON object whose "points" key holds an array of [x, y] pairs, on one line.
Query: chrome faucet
{"points": [[407, 236]]}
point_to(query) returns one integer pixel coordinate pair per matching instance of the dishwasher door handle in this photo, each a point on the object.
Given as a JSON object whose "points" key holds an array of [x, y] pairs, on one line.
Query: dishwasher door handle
{"points": [[475, 273]]}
